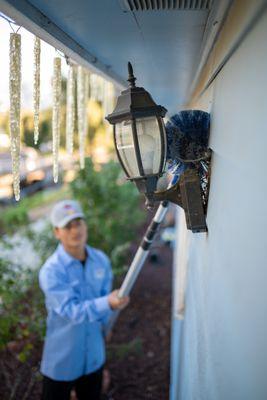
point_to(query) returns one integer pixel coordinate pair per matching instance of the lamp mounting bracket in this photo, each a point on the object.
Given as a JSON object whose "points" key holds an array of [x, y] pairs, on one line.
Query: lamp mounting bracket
{"points": [[185, 193]]}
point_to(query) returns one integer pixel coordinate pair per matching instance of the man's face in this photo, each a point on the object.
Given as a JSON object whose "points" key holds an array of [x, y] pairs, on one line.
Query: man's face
{"points": [[73, 235]]}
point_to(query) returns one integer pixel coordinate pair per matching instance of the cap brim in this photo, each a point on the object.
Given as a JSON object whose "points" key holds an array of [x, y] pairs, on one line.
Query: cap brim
{"points": [[69, 218]]}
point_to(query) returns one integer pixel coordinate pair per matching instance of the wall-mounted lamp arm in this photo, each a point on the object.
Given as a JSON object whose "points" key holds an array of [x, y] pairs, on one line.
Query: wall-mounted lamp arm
{"points": [[185, 193], [173, 194]]}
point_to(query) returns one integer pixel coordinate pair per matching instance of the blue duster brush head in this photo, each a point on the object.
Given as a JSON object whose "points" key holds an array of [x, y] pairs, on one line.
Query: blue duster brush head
{"points": [[188, 136]]}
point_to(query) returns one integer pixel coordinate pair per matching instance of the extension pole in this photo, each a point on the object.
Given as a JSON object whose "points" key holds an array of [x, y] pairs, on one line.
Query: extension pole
{"points": [[140, 257]]}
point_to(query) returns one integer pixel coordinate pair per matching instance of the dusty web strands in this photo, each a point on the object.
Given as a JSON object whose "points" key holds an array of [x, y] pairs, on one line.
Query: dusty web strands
{"points": [[108, 100], [15, 96], [36, 87], [82, 93], [56, 115], [86, 87], [70, 116], [96, 87], [93, 86]]}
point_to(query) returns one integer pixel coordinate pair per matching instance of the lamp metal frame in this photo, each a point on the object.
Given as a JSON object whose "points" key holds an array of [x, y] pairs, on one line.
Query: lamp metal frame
{"points": [[136, 102]]}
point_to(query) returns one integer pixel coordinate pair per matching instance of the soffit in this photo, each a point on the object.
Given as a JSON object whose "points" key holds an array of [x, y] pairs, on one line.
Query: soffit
{"points": [[163, 45]]}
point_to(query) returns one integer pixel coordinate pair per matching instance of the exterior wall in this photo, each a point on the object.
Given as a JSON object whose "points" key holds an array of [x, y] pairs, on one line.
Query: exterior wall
{"points": [[223, 351]]}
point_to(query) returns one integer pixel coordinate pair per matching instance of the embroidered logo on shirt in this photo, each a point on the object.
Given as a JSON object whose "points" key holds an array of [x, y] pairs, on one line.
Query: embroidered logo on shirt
{"points": [[99, 273]]}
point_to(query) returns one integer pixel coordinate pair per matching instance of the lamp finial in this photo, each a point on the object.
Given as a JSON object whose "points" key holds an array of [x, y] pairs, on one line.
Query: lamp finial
{"points": [[131, 78]]}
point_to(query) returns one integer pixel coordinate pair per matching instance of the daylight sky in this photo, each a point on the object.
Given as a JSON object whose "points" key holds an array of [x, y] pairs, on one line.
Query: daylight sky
{"points": [[47, 55]]}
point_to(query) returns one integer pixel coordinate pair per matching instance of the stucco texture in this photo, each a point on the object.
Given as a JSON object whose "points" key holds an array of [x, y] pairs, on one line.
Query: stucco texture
{"points": [[223, 351]]}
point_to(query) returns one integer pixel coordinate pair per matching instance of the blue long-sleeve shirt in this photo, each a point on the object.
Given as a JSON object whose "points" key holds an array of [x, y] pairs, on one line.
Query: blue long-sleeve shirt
{"points": [[76, 298]]}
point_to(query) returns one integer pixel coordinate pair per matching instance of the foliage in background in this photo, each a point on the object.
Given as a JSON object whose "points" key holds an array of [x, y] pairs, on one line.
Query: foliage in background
{"points": [[123, 350], [111, 206], [13, 217], [17, 215], [21, 307], [113, 213], [44, 242]]}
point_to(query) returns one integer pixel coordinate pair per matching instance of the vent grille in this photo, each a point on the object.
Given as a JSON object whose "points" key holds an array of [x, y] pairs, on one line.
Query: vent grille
{"points": [[160, 5]]}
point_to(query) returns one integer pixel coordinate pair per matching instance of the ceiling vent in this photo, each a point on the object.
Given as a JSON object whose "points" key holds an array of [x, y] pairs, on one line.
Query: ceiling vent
{"points": [[161, 5]]}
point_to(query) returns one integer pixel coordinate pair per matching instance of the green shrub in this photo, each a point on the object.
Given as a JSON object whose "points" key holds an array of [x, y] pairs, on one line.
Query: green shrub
{"points": [[112, 212], [123, 350], [44, 242], [21, 308], [13, 217], [17, 215], [111, 206]]}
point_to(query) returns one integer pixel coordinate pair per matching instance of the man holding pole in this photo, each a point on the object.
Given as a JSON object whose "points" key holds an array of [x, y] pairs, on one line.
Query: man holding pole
{"points": [[76, 280]]}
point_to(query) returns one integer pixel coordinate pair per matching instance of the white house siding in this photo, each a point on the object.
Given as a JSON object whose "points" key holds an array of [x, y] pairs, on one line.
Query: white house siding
{"points": [[223, 337]]}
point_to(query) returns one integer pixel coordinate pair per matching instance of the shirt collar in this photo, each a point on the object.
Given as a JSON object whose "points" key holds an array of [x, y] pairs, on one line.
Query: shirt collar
{"points": [[67, 258]]}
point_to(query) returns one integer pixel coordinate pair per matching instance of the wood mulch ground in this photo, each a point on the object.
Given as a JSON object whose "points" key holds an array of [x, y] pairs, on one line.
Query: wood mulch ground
{"points": [[138, 353], [142, 372]]}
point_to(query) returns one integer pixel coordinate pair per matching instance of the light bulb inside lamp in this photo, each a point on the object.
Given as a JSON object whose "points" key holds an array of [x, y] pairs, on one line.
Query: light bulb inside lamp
{"points": [[147, 150]]}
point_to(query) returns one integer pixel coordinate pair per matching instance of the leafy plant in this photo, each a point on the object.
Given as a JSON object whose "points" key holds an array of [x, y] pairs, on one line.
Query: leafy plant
{"points": [[112, 214], [44, 242], [21, 306], [111, 206], [13, 217], [123, 350], [118, 256], [17, 215]]}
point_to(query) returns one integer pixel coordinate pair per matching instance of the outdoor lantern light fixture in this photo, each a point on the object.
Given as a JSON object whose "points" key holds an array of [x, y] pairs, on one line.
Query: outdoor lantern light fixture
{"points": [[139, 136], [141, 145]]}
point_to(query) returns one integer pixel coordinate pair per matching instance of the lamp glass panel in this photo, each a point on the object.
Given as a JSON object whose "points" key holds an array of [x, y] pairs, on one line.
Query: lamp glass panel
{"points": [[148, 133], [125, 146]]}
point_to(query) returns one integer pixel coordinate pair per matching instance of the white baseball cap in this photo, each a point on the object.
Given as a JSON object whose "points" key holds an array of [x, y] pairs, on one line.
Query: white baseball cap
{"points": [[64, 212]]}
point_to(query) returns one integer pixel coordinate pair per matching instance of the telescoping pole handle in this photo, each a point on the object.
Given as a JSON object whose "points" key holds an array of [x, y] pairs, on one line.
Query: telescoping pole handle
{"points": [[140, 257]]}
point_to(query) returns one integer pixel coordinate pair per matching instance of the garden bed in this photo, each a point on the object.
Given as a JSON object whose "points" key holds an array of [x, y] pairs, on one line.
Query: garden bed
{"points": [[141, 369], [138, 354]]}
